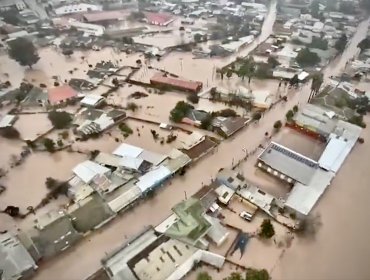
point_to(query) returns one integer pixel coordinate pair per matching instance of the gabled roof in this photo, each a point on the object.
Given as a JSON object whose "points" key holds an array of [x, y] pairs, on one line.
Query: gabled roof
{"points": [[61, 93], [87, 170], [153, 178], [128, 150]]}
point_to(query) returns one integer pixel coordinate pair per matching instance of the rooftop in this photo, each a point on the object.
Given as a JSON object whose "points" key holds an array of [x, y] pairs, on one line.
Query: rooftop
{"points": [[178, 83], [128, 150], [87, 170], [103, 16], [289, 163], [61, 94]]}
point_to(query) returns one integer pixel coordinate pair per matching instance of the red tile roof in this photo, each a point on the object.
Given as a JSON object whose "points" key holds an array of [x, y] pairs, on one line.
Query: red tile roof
{"points": [[101, 16], [158, 19], [188, 85], [60, 94]]}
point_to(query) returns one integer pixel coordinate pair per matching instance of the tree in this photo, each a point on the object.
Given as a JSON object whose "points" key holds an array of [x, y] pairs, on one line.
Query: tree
{"points": [[49, 145], [289, 115], [10, 133], [364, 44], [257, 274], [315, 8], [180, 111], [319, 43], [203, 276], [247, 69], [198, 37], [295, 109], [267, 229], [206, 122], [193, 98], [229, 73], [317, 81], [51, 183], [341, 43], [307, 58], [273, 62], [226, 113], [309, 226], [67, 52], [294, 81], [278, 125], [23, 51], [59, 120], [132, 106], [256, 116], [234, 276]]}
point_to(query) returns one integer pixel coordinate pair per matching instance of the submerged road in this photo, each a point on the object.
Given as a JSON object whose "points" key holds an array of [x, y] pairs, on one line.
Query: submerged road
{"points": [[84, 259]]}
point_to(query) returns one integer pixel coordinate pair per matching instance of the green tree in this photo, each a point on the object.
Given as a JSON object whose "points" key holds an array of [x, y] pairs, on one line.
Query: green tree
{"points": [[319, 43], [59, 120], [49, 145], [206, 122], [257, 274], [23, 51], [180, 111], [267, 229], [193, 98], [203, 276], [67, 52], [229, 73], [315, 8], [198, 37], [317, 80], [341, 43], [289, 115], [132, 106], [234, 276], [256, 116], [278, 125], [307, 58], [295, 109]]}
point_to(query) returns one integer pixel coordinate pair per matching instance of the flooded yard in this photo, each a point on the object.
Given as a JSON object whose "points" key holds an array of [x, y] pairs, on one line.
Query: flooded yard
{"points": [[30, 126]]}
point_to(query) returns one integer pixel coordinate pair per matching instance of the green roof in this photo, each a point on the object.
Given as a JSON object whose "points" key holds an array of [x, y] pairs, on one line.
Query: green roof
{"points": [[191, 224]]}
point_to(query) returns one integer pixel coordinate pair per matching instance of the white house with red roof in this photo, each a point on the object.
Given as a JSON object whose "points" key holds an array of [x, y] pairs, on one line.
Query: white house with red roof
{"points": [[160, 19]]}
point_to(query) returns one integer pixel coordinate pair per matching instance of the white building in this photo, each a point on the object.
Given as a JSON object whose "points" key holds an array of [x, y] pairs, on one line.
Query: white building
{"points": [[78, 8]]}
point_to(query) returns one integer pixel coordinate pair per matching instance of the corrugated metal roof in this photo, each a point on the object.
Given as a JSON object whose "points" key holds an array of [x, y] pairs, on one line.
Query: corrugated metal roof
{"points": [[7, 121], [130, 162], [332, 153], [152, 157], [191, 140], [176, 82], [87, 170], [127, 196], [91, 99], [153, 177], [127, 150]]}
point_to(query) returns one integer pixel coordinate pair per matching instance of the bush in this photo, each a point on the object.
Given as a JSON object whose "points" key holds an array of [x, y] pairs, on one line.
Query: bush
{"points": [[180, 110], [267, 229], [289, 115], [278, 125], [193, 98], [10, 133], [319, 43], [226, 113], [132, 106], [59, 120], [125, 128], [256, 116], [206, 122], [49, 145]]}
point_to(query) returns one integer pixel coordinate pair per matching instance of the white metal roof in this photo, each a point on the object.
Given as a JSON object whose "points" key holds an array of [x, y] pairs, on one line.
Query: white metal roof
{"points": [[152, 157], [192, 140], [7, 121], [303, 198], [127, 196], [130, 162], [330, 158], [127, 150], [92, 99], [87, 170], [153, 177]]}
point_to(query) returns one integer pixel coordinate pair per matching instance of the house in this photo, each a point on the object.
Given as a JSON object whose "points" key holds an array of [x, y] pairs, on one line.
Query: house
{"points": [[152, 179], [88, 170], [90, 213], [160, 19], [152, 255], [160, 79], [92, 100], [61, 95], [7, 121], [228, 126], [103, 17], [15, 261], [197, 145], [286, 55], [8, 5], [195, 117], [53, 233], [76, 8], [36, 97]]}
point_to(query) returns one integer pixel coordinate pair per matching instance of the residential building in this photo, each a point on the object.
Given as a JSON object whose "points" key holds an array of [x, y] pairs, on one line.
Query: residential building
{"points": [[61, 95], [160, 79], [228, 126], [104, 17], [8, 5], [197, 145], [7, 121], [88, 170], [160, 19], [76, 8], [92, 100], [15, 261]]}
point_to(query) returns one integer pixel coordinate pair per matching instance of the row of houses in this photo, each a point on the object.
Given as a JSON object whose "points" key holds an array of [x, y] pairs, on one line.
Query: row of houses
{"points": [[100, 188]]}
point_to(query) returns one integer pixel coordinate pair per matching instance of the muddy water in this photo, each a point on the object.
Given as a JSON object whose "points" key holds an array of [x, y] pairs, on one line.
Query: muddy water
{"points": [[341, 242]]}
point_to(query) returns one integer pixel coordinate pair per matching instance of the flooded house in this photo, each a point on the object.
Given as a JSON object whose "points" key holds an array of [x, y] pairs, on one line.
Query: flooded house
{"points": [[160, 19], [15, 261], [228, 126], [197, 145], [7, 121], [152, 254], [163, 80], [61, 95], [92, 100], [52, 233]]}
